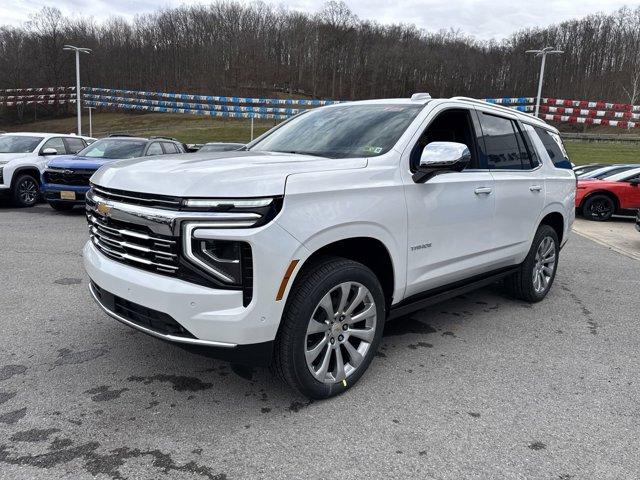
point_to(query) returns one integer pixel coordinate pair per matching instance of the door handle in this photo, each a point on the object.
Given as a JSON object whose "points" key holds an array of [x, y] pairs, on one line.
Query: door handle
{"points": [[535, 188], [483, 190]]}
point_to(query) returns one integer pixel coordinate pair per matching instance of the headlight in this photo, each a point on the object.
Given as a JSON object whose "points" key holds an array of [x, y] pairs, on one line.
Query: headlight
{"points": [[264, 209], [222, 258], [228, 203], [227, 261]]}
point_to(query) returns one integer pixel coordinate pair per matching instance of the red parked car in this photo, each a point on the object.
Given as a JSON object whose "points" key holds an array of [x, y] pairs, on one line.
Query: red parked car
{"points": [[600, 199]]}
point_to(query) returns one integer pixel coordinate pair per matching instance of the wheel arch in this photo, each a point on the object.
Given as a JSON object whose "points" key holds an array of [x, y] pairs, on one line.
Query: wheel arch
{"points": [[370, 251], [26, 170], [556, 221], [606, 193]]}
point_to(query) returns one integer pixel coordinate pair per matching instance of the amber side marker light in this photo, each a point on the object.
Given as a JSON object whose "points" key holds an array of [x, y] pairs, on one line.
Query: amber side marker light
{"points": [[285, 279]]}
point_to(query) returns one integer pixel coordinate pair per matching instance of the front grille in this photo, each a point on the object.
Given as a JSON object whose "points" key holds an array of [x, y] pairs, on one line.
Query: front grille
{"points": [[139, 246], [135, 198], [159, 322], [79, 178], [133, 245]]}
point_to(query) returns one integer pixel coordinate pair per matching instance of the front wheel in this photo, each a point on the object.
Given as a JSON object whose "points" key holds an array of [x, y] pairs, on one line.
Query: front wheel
{"points": [[331, 328], [534, 277], [25, 191]]}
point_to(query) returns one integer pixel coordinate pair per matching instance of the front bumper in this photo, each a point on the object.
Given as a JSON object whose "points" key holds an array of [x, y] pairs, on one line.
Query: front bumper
{"points": [[216, 318], [51, 193]]}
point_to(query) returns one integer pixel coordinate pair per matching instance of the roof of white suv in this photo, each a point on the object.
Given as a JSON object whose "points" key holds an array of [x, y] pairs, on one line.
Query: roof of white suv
{"points": [[424, 99]]}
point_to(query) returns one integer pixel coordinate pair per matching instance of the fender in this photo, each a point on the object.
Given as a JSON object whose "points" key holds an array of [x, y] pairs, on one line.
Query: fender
{"points": [[335, 233]]}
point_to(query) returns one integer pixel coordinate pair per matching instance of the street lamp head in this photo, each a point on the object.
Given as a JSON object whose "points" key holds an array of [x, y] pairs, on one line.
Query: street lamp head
{"points": [[544, 51], [76, 49]]}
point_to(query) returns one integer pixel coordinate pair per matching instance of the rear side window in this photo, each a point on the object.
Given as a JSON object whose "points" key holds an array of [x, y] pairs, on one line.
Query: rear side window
{"points": [[155, 149], [169, 147], [554, 147], [74, 145], [504, 145]]}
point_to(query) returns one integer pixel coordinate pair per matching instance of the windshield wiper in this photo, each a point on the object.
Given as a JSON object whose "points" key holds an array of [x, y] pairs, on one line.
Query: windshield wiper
{"points": [[300, 152]]}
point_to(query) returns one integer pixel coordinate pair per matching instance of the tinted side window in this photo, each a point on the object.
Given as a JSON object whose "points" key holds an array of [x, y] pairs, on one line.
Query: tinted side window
{"points": [[74, 145], [503, 143], [56, 143], [169, 147], [155, 149], [553, 144]]}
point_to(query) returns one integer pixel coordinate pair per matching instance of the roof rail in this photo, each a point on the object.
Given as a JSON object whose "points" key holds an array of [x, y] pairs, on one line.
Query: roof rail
{"points": [[120, 135], [159, 137], [495, 105]]}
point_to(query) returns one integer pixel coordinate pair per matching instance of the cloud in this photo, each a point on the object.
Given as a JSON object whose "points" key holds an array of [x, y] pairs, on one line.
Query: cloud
{"points": [[482, 19]]}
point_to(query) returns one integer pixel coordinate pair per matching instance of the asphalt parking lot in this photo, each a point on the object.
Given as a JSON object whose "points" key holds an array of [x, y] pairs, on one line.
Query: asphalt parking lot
{"points": [[478, 387]]}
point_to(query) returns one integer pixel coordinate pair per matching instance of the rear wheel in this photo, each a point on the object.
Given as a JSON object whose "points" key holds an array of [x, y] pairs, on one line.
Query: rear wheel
{"points": [[331, 328], [25, 191], [535, 275], [598, 208]]}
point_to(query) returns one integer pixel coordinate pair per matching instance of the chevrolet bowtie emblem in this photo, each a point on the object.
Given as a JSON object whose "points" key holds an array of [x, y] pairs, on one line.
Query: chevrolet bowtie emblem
{"points": [[103, 209]]}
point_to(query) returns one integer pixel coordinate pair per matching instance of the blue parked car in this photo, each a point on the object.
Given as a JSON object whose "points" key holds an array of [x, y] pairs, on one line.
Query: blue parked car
{"points": [[66, 178]]}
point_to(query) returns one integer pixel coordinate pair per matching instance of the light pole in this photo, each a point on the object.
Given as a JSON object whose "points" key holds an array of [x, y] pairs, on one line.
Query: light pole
{"points": [[78, 50], [542, 53], [90, 123]]}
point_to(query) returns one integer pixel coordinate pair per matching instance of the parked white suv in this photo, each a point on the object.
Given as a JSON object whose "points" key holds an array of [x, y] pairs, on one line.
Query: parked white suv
{"points": [[296, 250], [23, 158]]}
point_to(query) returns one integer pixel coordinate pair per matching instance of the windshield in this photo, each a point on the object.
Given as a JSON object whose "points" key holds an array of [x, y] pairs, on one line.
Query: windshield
{"points": [[18, 143], [114, 148], [342, 131]]}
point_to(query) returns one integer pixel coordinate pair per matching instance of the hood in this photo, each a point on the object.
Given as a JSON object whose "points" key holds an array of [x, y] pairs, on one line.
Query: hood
{"points": [[13, 156], [223, 174], [78, 163]]}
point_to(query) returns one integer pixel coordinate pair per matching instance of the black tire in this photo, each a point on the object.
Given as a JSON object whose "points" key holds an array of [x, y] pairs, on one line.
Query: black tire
{"points": [[599, 208], [62, 207], [312, 284], [521, 284], [25, 191]]}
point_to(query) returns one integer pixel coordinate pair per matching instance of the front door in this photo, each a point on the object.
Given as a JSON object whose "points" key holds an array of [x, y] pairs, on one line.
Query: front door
{"points": [[450, 217]]}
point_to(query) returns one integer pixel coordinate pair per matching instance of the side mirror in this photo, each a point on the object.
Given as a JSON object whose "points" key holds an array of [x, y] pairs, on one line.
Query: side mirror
{"points": [[441, 157], [49, 151], [634, 182]]}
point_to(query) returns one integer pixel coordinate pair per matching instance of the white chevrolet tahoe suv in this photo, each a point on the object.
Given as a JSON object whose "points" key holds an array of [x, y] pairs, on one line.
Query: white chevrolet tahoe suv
{"points": [[24, 157], [295, 251]]}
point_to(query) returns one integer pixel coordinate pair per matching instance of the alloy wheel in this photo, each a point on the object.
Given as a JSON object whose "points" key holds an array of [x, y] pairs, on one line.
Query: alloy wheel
{"points": [[544, 266], [28, 191], [601, 209], [340, 332]]}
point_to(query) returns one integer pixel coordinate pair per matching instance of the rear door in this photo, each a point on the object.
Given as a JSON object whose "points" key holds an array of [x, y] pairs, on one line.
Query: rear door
{"points": [[519, 182]]}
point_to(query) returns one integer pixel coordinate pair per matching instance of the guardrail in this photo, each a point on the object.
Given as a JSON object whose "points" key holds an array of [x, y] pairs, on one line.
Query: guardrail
{"points": [[585, 112]]}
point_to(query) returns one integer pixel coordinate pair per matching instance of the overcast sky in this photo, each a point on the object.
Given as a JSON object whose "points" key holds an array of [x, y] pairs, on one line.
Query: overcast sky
{"points": [[483, 19]]}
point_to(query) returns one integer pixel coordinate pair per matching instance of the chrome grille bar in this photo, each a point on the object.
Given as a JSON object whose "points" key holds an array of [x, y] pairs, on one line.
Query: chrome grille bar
{"points": [[126, 256], [124, 232], [133, 246]]}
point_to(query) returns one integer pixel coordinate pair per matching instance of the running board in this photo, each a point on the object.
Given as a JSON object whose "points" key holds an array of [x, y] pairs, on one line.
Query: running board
{"points": [[440, 294]]}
